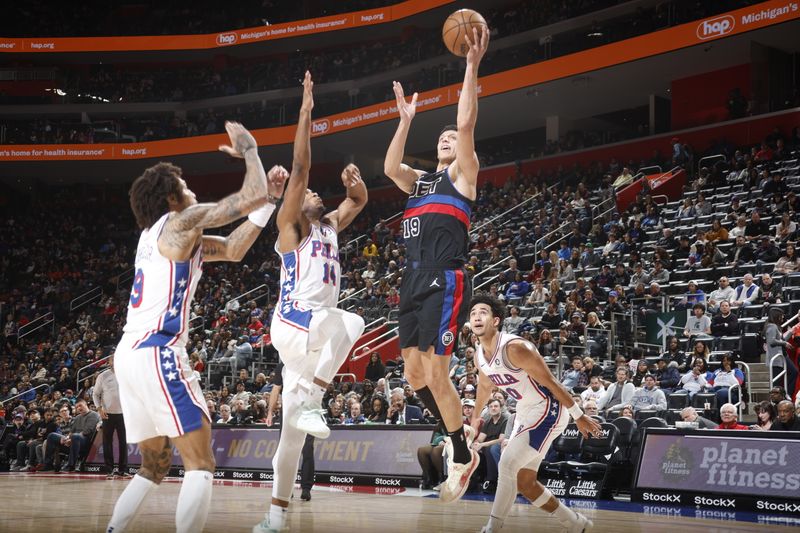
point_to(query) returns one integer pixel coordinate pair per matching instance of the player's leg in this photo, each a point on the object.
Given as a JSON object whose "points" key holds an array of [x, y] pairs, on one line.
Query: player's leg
{"points": [[517, 454], [198, 479], [307, 469], [156, 461], [541, 497]]}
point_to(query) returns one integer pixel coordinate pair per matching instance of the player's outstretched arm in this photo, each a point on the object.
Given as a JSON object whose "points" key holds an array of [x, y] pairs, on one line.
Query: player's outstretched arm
{"points": [[290, 213], [355, 201], [466, 160], [182, 230], [401, 174], [524, 355], [235, 246]]}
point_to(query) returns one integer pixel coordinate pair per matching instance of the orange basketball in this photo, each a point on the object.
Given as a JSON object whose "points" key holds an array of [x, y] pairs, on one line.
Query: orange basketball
{"points": [[459, 24]]}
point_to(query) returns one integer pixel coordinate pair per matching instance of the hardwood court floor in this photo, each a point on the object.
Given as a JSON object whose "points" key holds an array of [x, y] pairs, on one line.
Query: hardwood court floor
{"points": [[53, 503]]}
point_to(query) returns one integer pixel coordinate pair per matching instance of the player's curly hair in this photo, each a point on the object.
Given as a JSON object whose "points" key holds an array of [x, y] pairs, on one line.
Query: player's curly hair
{"points": [[150, 191], [498, 308]]}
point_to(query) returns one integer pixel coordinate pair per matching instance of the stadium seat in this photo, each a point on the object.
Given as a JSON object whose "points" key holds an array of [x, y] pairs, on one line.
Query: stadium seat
{"points": [[701, 398], [627, 431], [567, 446], [596, 456], [677, 401]]}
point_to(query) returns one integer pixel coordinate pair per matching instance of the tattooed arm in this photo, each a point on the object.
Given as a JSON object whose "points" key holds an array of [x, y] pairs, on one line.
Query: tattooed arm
{"points": [[236, 245], [183, 230]]}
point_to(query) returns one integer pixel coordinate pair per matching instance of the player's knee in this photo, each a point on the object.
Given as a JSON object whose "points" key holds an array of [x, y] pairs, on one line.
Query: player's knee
{"points": [[354, 325], [526, 478]]}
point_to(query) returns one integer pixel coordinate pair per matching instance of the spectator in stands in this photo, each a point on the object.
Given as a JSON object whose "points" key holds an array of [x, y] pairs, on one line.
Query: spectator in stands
{"points": [[659, 274], [786, 229], [728, 375], [712, 256], [625, 178], [725, 322], [627, 412], [742, 252], [12, 437], [746, 293], [724, 293], [547, 346], [756, 228], [375, 369], [379, 405], [787, 418], [370, 250], [648, 397], [702, 207], [698, 323], [538, 295], [82, 426], [638, 276], [789, 263], [619, 393], [667, 376], [770, 291], [400, 412], [224, 414], [689, 414], [594, 391], [694, 295], [667, 240], [641, 370], [699, 352], [430, 457], [488, 443], [777, 346], [767, 251], [693, 382], [730, 418], [573, 376], [512, 323], [765, 416], [686, 210], [675, 354], [355, 417]]}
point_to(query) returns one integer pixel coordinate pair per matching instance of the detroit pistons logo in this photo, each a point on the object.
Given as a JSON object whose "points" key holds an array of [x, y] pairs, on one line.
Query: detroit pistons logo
{"points": [[448, 338]]}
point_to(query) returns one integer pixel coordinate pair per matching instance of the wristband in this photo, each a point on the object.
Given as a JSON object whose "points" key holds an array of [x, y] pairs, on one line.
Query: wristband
{"points": [[575, 411], [260, 216]]}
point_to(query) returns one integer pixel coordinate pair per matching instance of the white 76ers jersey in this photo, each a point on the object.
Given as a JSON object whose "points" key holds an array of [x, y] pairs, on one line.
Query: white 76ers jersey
{"points": [[159, 306], [514, 381], [309, 276]]}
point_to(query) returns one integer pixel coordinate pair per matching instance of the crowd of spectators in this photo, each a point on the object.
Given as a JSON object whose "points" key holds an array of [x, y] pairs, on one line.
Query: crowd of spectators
{"points": [[53, 252]]}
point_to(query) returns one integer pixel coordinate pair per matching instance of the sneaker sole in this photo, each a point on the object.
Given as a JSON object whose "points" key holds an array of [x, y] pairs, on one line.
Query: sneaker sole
{"points": [[320, 434], [465, 485]]}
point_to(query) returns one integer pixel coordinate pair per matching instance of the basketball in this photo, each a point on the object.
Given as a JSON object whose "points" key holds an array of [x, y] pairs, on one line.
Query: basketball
{"points": [[457, 26]]}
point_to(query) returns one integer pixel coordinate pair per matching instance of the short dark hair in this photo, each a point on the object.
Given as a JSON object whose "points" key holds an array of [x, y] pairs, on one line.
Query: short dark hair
{"points": [[699, 306], [149, 193], [449, 127], [498, 308]]}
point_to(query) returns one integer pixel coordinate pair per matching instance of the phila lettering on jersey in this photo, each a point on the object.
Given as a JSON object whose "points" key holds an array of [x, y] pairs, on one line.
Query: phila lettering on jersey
{"points": [[309, 276], [514, 381], [159, 305]]}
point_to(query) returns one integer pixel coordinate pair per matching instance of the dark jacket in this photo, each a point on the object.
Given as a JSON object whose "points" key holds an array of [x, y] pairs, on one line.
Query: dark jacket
{"points": [[794, 425], [669, 377], [722, 326]]}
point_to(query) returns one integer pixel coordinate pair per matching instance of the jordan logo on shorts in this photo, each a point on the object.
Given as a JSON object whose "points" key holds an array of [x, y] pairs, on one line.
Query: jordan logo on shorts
{"points": [[435, 282]]}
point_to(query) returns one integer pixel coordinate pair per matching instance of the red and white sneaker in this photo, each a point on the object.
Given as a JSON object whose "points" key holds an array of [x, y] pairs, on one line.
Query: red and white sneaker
{"points": [[454, 487]]}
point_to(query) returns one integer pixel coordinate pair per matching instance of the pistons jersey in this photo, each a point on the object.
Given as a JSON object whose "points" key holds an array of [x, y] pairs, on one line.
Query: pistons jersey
{"points": [[436, 222], [309, 277], [514, 381], [160, 301]]}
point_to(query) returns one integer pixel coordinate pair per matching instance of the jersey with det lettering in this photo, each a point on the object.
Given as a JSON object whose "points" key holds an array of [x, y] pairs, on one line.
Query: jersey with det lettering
{"points": [[160, 301], [436, 222], [514, 381], [309, 276]]}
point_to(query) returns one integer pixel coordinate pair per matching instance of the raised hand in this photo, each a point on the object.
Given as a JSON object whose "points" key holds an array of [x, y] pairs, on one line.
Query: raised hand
{"points": [[308, 94], [406, 110], [588, 426], [276, 180], [241, 140], [477, 45], [351, 176]]}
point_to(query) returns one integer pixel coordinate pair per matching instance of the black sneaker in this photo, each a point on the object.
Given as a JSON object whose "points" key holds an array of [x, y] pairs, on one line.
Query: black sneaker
{"points": [[305, 495], [124, 475], [110, 475]]}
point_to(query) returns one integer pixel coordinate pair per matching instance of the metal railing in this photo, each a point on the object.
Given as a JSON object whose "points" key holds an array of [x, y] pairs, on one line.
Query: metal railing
{"points": [[125, 277], [202, 324], [36, 324], [367, 346], [86, 298], [345, 250], [90, 365], [251, 291], [504, 213], [346, 375], [651, 167], [710, 158], [23, 393], [781, 374], [490, 267]]}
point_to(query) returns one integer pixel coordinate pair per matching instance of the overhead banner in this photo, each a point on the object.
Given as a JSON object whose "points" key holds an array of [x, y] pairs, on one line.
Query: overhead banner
{"points": [[363, 450], [729, 469], [257, 34], [668, 40]]}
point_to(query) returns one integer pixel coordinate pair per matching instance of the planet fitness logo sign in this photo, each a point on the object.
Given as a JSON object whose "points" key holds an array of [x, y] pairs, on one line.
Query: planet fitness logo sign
{"points": [[677, 463]]}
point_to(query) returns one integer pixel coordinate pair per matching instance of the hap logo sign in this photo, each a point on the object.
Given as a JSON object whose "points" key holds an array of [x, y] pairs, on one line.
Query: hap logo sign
{"points": [[225, 39], [715, 27], [319, 127]]}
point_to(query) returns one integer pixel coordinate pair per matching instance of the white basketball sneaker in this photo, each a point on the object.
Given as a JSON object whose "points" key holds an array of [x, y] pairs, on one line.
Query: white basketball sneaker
{"points": [[264, 527], [311, 420], [580, 524], [454, 487]]}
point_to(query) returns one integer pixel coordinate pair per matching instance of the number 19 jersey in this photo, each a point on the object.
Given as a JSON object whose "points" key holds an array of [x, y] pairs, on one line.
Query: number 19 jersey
{"points": [[436, 222], [309, 276]]}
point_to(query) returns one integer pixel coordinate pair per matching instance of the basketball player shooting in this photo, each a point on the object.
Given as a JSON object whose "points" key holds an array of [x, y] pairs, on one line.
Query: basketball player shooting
{"points": [[434, 301], [311, 335], [514, 365], [161, 398]]}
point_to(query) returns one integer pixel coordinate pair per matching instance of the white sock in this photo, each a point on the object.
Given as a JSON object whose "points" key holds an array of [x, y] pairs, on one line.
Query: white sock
{"points": [[193, 501], [495, 524], [129, 502], [564, 514], [277, 516]]}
